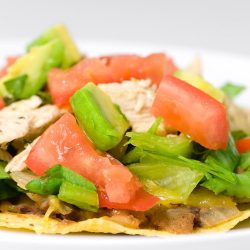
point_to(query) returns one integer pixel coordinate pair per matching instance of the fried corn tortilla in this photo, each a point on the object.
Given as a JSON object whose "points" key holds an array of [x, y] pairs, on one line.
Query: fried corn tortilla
{"points": [[124, 161], [44, 225]]}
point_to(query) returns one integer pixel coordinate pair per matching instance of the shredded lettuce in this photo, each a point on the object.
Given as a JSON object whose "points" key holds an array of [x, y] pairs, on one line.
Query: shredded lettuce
{"points": [[232, 90], [244, 163], [240, 189], [239, 134], [169, 145], [7, 186], [228, 158], [171, 181]]}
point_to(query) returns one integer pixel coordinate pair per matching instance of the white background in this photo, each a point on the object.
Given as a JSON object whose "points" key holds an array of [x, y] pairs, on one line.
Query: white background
{"points": [[211, 24]]}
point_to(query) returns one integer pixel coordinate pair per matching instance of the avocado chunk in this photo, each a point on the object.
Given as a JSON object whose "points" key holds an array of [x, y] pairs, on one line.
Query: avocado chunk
{"points": [[198, 82], [71, 53], [102, 120], [29, 73]]}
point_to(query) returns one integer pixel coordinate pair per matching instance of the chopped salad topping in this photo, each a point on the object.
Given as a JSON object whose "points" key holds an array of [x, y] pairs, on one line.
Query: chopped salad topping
{"points": [[121, 132]]}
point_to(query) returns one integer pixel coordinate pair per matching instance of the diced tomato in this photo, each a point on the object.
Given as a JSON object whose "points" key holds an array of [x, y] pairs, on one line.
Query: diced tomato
{"points": [[10, 61], [63, 84], [154, 67], [65, 143], [192, 112], [243, 145], [2, 103], [142, 202]]}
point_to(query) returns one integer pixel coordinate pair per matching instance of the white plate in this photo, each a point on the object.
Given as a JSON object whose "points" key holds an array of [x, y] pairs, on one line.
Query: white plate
{"points": [[218, 68]]}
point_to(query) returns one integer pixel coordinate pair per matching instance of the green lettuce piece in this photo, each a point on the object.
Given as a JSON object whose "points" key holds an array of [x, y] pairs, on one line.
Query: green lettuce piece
{"points": [[232, 90], [29, 73], [198, 82], [3, 174], [169, 145], [7, 187], [133, 156], [228, 158], [239, 134], [244, 161], [81, 192], [240, 189], [153, 129], [173, 182], [206, 169], [15, 86], [120, 149], [59, 32], [102, 120]]}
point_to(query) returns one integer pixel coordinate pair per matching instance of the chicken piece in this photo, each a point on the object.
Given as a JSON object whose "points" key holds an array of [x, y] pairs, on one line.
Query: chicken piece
{"points": [[25, 119], [23, 178], [177, 220], [135, 99], [239, 118], [18, 162]]}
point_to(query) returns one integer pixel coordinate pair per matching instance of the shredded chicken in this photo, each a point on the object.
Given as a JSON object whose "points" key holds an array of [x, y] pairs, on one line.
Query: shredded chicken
{"points": [[18, 162], [22, 178], [24, 119], [195, 66], [135, 99], [239, 118]]}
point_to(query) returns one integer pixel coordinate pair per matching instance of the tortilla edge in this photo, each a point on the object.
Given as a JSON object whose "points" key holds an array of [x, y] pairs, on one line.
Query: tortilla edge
{"points": [[42, 225]]}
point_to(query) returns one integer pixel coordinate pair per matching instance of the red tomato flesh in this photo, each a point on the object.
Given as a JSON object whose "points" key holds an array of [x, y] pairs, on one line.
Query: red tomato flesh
{"points": [[192, 112], [10, 61], [63, 84], [65, 143], [154, 67], [141, 202], [243, 145], [2, 103]]}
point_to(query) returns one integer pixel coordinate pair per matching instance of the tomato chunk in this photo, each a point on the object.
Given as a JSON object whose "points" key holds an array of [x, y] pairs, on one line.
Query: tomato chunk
{"points": [[2, 103], [142, 202], [192, 112], [63, 84], [243, 145], [65, 143], [154, 67]]}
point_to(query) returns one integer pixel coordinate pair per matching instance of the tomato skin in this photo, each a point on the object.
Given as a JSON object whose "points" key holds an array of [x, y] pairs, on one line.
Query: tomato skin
{"points": [[142, 201], [66, 144], [243, 145], [192, 112], [10, 61]]}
